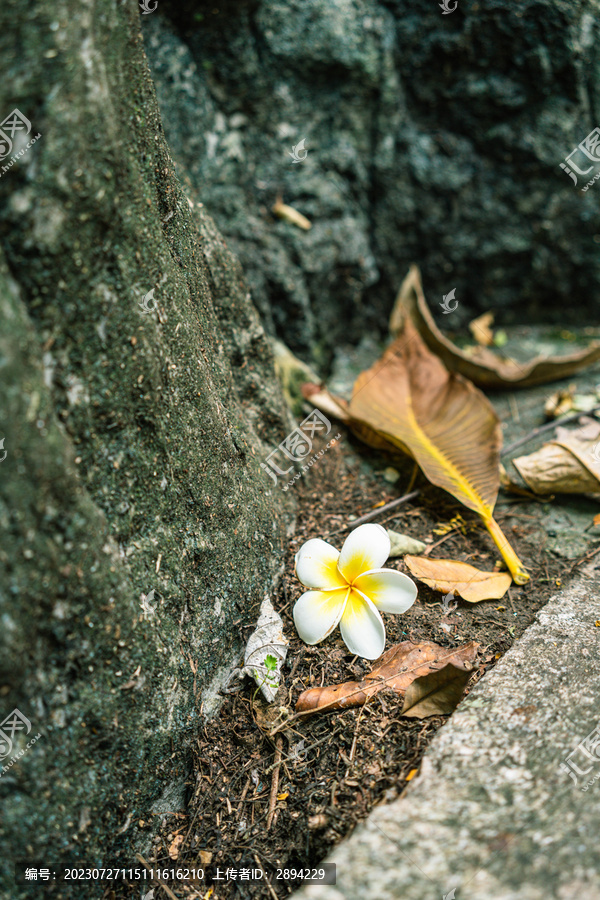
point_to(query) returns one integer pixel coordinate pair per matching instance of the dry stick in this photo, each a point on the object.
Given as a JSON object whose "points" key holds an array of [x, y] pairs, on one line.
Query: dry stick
{"points": [[548, 427], [583, 559], [375, 512], [275, 781], [431, 547], [267, 882], [166, 889], [243, 797], [355, 739]]}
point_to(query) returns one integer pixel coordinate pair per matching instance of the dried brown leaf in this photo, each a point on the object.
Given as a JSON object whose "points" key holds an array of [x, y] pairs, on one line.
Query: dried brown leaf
{"points": [[568, 465], [400, 667], [449, 575]]}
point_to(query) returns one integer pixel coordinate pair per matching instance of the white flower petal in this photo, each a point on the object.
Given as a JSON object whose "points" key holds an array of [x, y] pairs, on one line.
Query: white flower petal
{"points": [[390, 591], [316, 565], [362, 627], [365, 548], [317, 613]]}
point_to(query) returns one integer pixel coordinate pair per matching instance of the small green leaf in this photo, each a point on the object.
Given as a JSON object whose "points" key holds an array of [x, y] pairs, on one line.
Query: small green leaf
{"points": [[271, 663]]}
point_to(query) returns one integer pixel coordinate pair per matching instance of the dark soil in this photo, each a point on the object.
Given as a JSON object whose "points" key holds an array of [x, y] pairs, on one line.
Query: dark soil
{"points": [[337, 766]]}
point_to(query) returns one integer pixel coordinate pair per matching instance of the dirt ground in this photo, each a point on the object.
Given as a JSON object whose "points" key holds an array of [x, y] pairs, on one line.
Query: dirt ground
{"points": [[249, 811]]}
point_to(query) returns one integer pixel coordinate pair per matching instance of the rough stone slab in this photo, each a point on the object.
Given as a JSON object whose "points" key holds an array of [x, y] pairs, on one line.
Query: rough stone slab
{"points": [[392, 143], [491, 814]]}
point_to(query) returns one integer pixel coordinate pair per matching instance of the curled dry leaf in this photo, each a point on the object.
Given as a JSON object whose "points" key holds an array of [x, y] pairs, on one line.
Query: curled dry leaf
{"points": [[481, 365], [568, 465], [451, 576], [429, 677], [410, 400], [268, 639]]}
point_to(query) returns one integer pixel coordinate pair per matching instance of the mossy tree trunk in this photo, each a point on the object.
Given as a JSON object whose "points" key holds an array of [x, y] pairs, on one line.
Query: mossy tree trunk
{"points": [[133, 440]]}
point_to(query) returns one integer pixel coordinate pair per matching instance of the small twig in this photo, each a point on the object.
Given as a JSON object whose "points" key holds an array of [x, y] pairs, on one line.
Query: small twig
{"points": [[355, 738], [547, 427], [243, 797], [275, 781], [583, 559], [431, 547], [267, 882], [166, 889], [376, 512]]}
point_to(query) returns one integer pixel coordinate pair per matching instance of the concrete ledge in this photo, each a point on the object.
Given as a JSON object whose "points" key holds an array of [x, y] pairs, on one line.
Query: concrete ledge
{"points": [[492, 815]]}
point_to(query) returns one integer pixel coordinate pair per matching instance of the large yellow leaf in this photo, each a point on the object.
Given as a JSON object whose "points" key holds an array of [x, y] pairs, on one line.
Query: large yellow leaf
{"points": [[409, 399]]}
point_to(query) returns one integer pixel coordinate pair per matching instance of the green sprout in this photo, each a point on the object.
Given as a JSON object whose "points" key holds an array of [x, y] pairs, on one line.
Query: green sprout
{"points": [[270, 664]]}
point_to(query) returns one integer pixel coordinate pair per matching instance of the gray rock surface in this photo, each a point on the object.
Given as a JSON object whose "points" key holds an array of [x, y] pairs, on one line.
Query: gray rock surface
{"points": [[491, 813], [132, 443], [431, 138]]}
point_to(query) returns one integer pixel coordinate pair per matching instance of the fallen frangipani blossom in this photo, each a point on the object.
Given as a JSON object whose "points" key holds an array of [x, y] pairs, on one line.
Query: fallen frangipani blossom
{"points": [[348, 589]]}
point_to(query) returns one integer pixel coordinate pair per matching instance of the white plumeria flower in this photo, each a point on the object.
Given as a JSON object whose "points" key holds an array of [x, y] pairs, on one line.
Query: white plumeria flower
{"points": [[348, 589]]}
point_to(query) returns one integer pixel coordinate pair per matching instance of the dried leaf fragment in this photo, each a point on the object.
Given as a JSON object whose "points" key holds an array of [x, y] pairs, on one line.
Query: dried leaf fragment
{"points": [[481, 329], [289, 214], [175, 845], [323, 400], [568, 465], [436, 694], [449, 575], [400, 667]]}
